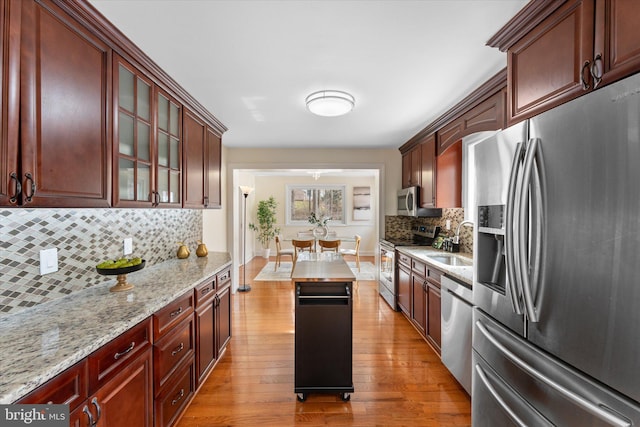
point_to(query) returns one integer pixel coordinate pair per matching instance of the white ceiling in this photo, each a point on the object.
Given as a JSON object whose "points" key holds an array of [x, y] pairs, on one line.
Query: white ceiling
{"points": [[253, 62]]}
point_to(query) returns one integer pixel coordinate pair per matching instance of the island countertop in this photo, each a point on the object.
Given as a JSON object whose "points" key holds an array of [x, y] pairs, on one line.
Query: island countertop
{"points": [[321, 267], [39, 343]]}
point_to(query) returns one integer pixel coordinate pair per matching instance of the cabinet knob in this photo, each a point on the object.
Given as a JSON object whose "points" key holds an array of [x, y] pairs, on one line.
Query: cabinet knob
{"points": [[596, 70], [14, 177], [585, 67]]}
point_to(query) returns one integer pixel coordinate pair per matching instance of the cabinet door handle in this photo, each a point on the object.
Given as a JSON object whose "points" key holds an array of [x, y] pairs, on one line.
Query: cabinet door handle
{"points": [[119, 355], [206, 290], [178, 397], [178, 349], [14, 177], [29, 177], [585, 67], [89, 415], [94, 401], [206, 201], [157, 198], [175, 313], [596, 70]]}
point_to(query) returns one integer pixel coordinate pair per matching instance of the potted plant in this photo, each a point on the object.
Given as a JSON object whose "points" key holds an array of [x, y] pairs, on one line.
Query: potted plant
{"points": [[266, 226]]}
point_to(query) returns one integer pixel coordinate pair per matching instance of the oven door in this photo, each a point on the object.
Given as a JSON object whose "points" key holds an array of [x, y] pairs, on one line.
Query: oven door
{"points": [[387, 281]]}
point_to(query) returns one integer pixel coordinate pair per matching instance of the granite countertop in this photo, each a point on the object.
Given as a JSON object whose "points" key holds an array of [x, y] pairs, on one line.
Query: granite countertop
{"points": [[464, 272], [322, 267], [41, 342]]}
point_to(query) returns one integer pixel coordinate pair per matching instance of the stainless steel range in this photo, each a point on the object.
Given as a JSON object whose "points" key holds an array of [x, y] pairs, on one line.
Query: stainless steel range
{"points": [[387, 286]]}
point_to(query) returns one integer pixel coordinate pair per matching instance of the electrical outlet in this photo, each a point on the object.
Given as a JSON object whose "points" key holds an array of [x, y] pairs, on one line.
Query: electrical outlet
{"points": [[128, 246], [48, 261], [448, 224]]}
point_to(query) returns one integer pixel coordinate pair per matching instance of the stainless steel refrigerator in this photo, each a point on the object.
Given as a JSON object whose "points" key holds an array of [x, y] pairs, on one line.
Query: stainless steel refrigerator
{"points": [[556, 337]]}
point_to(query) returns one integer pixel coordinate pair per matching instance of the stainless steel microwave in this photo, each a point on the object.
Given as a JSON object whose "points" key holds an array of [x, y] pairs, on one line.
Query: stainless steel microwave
{"points": [[408, 204]]}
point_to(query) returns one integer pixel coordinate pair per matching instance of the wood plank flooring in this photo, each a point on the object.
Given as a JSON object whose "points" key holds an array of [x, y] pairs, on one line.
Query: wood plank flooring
{"points": [[398, 379]]}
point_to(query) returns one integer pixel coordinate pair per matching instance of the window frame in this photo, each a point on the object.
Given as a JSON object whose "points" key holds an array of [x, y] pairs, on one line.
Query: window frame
{"points": [[291, 187]]}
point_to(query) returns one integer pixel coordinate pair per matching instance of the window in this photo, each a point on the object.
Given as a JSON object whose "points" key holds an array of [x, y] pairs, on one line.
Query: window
{"points": [[327, 201]]}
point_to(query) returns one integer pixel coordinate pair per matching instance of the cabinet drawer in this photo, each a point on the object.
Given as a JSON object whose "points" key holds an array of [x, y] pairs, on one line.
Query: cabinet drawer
{"points": [[112, 357], [223, 278], [173, 398], [171, 350], [433, 276], [68, 387], [404, 259], [172, 314], [418, 267], [205, 292]]}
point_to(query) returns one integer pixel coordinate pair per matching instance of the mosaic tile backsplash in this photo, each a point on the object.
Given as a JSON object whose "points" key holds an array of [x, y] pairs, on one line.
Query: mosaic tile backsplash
{"points": [[83, 237], [402, 226]]}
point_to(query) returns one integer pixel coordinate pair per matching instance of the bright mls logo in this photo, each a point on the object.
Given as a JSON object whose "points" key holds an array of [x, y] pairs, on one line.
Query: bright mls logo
{"points": [[34, 415]]}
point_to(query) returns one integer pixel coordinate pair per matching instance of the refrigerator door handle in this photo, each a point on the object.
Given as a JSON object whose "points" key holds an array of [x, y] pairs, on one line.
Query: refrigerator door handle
{"points": [[595, 409], [498, 398], [523, 218], [510, 253]]}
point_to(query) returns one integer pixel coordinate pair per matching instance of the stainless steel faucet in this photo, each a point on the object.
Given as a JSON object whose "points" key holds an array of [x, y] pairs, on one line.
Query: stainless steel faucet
{"points": [[456, 238]]}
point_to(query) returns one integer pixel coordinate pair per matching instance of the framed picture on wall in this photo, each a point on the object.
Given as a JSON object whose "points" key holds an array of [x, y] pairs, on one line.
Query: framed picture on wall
{"points": [[361, 203]]}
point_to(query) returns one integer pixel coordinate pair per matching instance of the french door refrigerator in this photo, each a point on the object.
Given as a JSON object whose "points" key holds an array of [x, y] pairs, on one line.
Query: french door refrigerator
{"points": [[556, 337]]}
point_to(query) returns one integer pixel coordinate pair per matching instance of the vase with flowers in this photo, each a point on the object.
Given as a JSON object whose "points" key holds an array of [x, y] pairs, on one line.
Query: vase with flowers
{"points": [[320, 231]]}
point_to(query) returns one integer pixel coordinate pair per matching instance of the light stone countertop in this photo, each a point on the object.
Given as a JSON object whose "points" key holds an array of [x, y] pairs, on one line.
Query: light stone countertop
{"points": [[464, 273], [322, 267], [39, 343]]}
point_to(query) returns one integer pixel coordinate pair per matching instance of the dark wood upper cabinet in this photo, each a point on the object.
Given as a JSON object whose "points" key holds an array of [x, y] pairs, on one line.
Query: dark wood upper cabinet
{"points": [[87, 119], [617, 40], [449, 177], [213, 182], [559, 50], [411, 167], [428, 172], [194, 140], [202, 163], [147, 133], [64, 104]]}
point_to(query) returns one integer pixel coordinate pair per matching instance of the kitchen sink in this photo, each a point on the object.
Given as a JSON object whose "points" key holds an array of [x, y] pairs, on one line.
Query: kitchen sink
{"points": [[451, 260]]}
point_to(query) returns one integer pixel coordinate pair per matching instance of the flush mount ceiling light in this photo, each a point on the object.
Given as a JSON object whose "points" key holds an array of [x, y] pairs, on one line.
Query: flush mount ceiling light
{"points": [[330, 103]]}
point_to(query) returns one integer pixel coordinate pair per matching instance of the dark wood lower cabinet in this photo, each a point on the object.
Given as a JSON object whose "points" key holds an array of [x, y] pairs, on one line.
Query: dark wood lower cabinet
{"points": [[404, 289], [205, 335], [223, 319], [418, 303], [434, 319], [127, 399], [419, 289]]}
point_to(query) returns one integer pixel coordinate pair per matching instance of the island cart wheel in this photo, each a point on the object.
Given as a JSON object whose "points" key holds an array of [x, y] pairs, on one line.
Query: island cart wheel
{"points": [[345, 397], [302, 397]]}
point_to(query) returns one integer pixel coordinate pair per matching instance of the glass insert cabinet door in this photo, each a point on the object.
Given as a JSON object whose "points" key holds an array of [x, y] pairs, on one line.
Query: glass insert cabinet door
{"points": [[148, 142], [134, 130], [168, 148]]}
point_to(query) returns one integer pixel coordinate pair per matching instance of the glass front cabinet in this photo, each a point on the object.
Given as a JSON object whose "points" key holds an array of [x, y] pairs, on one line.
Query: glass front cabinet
{"points": [[147, 136]]}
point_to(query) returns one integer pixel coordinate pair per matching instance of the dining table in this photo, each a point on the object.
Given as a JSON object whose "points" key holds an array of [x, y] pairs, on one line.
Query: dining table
{"points": [[315, 239]]}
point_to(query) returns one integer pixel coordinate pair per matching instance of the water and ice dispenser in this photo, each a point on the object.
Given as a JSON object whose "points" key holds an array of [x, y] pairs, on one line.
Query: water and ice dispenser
{"points": [[491, 269]]}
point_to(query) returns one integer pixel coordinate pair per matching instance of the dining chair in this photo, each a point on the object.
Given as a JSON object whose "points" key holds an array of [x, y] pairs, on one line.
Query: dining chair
{"points": [[355, 251], [300, 246], [280, 252], [329, 245]]}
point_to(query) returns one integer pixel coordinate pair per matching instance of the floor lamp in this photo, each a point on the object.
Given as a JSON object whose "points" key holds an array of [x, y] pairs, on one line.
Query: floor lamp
{"points": [[244, 287]]}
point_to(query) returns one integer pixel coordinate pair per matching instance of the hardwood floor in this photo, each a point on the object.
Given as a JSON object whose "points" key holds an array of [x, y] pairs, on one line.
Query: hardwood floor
{"points": [[398, 379]]}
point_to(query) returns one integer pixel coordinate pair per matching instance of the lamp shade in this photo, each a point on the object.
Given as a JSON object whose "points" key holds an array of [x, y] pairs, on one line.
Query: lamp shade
{"points": [[330, 103], [246, 189]]}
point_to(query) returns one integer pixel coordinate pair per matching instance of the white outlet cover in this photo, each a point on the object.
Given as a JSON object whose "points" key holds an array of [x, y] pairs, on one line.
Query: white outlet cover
{"points": [[48, 261], [128, 246]]}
